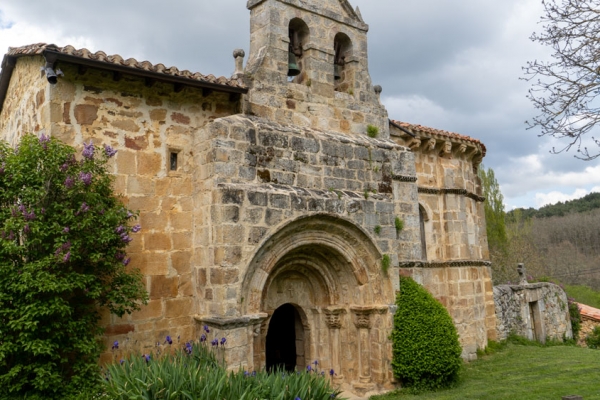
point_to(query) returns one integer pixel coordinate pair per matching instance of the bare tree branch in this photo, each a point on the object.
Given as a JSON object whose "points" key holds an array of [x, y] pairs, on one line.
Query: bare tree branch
{"points": [[565, 91]]}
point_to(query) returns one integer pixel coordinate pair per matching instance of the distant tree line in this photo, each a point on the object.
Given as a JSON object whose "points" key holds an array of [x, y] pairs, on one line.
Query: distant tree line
{"points": [[559, 242]]}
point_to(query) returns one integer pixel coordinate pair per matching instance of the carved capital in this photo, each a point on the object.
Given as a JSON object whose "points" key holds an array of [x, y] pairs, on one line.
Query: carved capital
{"points": [[333, 317], [362, 319]]}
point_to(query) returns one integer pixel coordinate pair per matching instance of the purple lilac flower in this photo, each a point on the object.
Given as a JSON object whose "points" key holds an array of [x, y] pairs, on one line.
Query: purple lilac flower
{"points": [[86, 178], [223, 340], [168, 340], [119, 256], [115, 345], [126, 238], [26, 228], [88, 150], [2, 168], [120, 229], [203, 338], [136, 229], [126, 261], [11, 235], [22, 209], [29, 216], [109, 151], [66, 229], [84, 207], [64, 167], [44, 138], [67, 256], [69, 182], [129, 214]]}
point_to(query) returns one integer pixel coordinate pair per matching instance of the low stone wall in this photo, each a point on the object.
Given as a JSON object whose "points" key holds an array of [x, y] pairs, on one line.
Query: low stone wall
{"points": [[536, 311]]}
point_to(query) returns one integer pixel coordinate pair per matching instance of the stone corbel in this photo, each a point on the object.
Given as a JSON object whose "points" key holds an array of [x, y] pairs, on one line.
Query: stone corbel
{"points": [[431, 144], [446, 151], [414, 143], [333, 317]]}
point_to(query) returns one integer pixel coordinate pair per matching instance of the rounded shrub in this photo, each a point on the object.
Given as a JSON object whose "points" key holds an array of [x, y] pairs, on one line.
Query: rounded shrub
{"points": [[63, 239], [426, 351]]}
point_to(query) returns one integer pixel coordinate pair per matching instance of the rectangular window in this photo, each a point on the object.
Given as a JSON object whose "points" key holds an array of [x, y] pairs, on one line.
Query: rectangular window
{"points": [[173, 161]]}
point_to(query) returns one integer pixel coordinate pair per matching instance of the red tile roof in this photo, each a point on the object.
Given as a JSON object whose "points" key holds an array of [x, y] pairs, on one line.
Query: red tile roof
{"points": [[131, 63], [415, 128], [589, 312]]}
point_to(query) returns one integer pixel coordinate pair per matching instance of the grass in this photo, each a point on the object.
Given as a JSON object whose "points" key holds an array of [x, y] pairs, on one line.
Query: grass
{"points": [[583, 294], [523, 372]]}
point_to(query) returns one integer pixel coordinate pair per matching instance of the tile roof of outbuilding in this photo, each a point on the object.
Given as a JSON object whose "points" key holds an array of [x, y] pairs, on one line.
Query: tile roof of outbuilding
{"points": [[415, 128], [133, 64], [589, 312]]}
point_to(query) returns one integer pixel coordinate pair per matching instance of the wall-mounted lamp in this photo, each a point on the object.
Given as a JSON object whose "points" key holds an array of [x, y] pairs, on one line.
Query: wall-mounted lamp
{"points": [[50, 73]]}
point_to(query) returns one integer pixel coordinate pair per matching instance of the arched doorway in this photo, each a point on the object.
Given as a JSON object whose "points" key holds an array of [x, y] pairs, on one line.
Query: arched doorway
{"points": [[285, 340]]}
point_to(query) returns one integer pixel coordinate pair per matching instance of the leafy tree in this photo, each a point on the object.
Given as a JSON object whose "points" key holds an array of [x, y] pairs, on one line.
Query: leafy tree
{"points": [[494, 209], [565, 89], [426, 350], [63, 235]]}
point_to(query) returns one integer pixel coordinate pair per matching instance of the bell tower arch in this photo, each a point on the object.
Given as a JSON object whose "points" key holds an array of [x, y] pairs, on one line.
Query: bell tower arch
{"points": [[308, 65]]}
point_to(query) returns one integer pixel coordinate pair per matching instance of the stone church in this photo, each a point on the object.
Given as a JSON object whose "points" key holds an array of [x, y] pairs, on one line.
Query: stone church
{"points": [[279, 206]]}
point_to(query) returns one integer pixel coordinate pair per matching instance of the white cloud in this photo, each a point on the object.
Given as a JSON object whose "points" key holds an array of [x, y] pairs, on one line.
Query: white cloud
{"points": [[543, 199]]}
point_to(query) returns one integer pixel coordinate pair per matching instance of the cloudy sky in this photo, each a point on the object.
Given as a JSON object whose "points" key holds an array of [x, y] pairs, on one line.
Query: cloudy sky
{"points": [[452, 65]]}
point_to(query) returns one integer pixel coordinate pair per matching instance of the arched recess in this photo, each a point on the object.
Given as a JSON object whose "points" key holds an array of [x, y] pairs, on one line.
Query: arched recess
{"points": [[299, 35], [334, 259], [423, 219], [343, 66]]}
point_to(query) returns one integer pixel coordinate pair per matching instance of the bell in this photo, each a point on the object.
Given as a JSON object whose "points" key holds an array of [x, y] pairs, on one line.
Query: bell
{"points": [[337, 74], [293, 69]]}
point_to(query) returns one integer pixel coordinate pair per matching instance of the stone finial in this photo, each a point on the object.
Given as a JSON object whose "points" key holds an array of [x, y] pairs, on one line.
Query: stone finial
{"points": [[522, 274], [239, 55], [378, 89]]}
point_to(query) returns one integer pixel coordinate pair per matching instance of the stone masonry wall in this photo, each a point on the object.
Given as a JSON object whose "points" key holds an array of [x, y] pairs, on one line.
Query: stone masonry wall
{"points": [[537, 311], [265, 175], [145, 124], [25, 108]]}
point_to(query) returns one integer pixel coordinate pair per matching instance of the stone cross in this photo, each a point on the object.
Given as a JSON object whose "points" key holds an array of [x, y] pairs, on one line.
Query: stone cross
{"points": [[522, 274]]}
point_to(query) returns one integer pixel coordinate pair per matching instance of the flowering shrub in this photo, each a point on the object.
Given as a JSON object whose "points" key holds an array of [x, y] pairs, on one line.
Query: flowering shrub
{"points": [[63, 235], [193, 371], [426, 351]]}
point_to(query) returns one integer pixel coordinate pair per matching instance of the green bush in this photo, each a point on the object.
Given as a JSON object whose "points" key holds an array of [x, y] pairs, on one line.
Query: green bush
{"points": [[194, 372], [63, 236], [593, 339], [575, 318], [426, 351]]}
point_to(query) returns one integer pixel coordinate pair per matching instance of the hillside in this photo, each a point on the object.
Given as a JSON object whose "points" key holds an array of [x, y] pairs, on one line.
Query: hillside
{"points": [[587, 203]]}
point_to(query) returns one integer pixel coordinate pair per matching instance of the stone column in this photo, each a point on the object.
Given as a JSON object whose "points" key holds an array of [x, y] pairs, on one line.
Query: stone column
{"points": [[334, 323], [363, 324]]}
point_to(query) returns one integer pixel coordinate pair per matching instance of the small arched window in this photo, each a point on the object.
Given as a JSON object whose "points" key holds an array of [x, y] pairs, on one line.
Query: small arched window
{"points": [[298, 35], [422, 218], [343, 74]]}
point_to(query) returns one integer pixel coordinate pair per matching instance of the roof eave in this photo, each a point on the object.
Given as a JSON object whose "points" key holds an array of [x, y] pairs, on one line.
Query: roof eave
{"points": [[9, 62]]}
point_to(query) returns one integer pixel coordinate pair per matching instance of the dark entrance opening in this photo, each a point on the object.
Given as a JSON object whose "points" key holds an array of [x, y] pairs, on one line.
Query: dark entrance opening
{"points": [[282, 339]]}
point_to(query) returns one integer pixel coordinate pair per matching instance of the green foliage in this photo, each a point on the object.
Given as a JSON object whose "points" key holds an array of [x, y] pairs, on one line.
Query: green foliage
{"points": [[587, 203], [386, 262], [494, 209], [195, 373], [575, 318], [62, 256], [593, 339], [426, 351], [493, 347], [377, 229], [399, 224], [372, 131]]}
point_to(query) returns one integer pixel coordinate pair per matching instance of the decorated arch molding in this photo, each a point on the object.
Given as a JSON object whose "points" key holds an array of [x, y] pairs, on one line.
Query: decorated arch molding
{"points": [[331, 247]]}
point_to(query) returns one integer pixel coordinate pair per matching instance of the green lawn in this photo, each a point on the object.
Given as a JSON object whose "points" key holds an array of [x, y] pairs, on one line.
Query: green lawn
{"points": [[525, 372]]}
